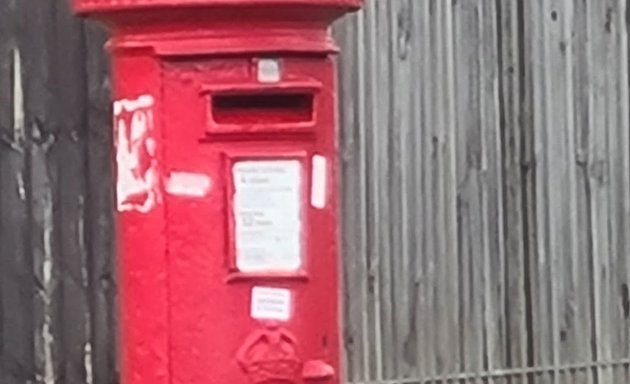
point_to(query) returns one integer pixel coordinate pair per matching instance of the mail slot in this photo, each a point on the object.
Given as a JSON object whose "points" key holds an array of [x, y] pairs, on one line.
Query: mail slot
{"points": [[262, 109], [255, 107]]}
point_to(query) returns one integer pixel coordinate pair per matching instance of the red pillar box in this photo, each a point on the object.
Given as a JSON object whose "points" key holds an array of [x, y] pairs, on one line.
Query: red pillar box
{"points": [[225, 128]]}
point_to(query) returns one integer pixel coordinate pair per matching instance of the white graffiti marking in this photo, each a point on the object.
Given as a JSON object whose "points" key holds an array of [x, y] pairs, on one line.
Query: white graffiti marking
{"points": [[136, 148]]}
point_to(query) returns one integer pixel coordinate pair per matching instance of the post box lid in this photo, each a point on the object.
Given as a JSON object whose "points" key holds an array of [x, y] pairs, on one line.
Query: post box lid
{"points": [[99, 6]]}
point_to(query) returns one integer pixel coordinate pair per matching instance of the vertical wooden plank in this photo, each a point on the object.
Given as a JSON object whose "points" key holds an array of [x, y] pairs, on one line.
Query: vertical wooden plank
{"points": [[577, 325], [532, 166], [409, 50], [623, 166], [384, 145], [7, 47], [423, 346], [439, 166], [102, 350], [16, 322], [617, 109], [373, 201], [514, 194], [608, 30], [467, 351], [577, 348], [345, 36], [353, 155], [550, 144], [393, 174], [469, 138], [402, 248], [374, 197], [582, 267], [596, 168], [450, 195], [439, 163], [559, 190], [42, 122], [367, 277], [464, 303], [434, 141], [428, 143], [492, 189], [541, 285], [70, 153], [528, 161], [7, 146]]}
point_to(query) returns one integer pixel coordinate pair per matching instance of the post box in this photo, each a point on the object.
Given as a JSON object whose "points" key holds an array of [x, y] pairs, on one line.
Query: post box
{"points": [[225, 129]]}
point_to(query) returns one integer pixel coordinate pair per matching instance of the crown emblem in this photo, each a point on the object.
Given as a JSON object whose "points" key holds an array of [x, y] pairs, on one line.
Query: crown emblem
{"points": [[270, 357]]}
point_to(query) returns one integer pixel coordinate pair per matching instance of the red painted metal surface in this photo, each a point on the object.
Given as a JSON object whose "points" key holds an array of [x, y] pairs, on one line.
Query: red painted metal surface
{"points": [[115, 5], [225, 124]]}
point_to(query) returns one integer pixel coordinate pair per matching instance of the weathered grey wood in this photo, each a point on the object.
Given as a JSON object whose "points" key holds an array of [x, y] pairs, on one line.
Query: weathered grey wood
{"points": [[16, 340], [492, 173], [478, 197], [451, 292], [44, 160], [383, 179], [352, 155], [617, 86], [511, 86], [557, 112], [622, 164], [584, 322], [541, 287], [529, 166], [440, 140], [471, 317], [418, 345], [42, 130], [522, 253], [428, 143], [597, 167], [372, 198], [616, 90], [99, 225], [575, 322], [70, 151], [404, 249]]}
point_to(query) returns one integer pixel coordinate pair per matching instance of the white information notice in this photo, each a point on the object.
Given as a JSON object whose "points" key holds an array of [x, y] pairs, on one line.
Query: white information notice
{"points": [[271, 304], [268, 215]]}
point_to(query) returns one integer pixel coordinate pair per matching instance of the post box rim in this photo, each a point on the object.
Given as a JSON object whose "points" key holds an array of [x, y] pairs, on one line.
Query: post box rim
{"points": [[87, 7]]}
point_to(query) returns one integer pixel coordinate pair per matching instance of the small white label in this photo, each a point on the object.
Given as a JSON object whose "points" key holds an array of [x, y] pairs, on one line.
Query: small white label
{"points": [[268, 215], [188, 184], [319, 188], [269, 71], [271, 304]]}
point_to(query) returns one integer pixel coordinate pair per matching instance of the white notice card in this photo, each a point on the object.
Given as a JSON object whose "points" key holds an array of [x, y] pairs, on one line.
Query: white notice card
{"points": [[271, 304], [267, 215]]}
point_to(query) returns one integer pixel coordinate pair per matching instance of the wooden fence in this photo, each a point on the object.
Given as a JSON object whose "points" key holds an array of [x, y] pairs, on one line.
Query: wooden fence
{"points": [[57, 285], [486, 151]]}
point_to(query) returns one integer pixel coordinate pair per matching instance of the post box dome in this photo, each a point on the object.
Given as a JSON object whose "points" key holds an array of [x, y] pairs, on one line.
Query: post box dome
{"points": [[188, 27]]}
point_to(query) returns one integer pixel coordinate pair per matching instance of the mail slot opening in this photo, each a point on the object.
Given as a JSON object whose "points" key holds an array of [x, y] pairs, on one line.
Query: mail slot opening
{"points": [[263, 108]]}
